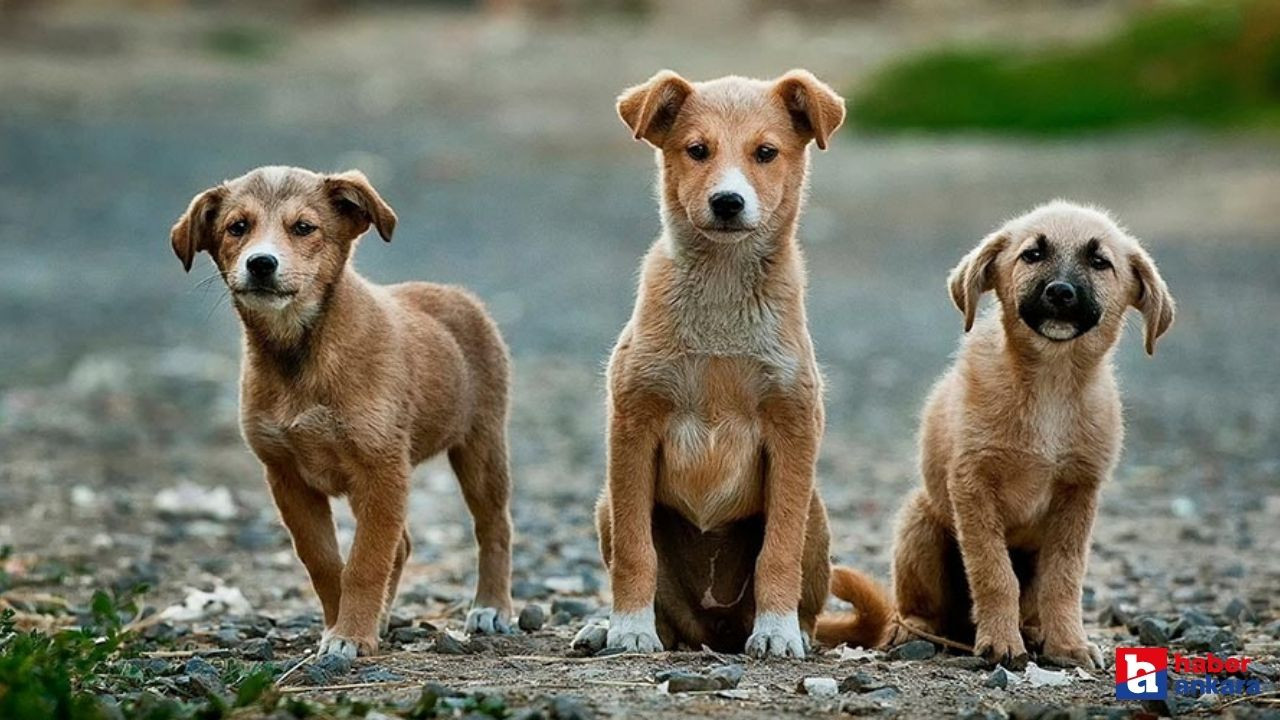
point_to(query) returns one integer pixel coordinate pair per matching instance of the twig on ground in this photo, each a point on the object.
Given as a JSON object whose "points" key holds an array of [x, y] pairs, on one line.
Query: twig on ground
{"points": [[294, 689], [933, 638], [287, 673]]}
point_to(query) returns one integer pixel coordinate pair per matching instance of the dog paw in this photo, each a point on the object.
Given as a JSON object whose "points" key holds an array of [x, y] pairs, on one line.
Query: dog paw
{"points": [[487, 621], [1003, 646], [633, 632], [331, 643], [1081, 653], [776, 635]]}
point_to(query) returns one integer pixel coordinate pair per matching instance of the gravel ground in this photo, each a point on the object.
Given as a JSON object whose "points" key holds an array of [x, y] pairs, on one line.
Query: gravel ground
{"points": [[497, 145]]}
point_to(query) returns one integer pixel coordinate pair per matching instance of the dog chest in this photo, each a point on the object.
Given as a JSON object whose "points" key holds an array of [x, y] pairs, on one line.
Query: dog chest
{"points": [[314, 441]]}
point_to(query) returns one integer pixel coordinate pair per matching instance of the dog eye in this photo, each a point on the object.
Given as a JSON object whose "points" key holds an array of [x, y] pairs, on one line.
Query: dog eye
{"points": [[766, 154], [1097, 262], [1032, 255], [302, 228], [238, 228], [698, 151]]}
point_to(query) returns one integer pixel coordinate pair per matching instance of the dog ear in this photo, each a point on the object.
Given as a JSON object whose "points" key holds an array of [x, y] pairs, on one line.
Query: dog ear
{"points": [[194, 230], [355, 198], [974, 275], [816, 110], [650, 109], [1152, 299]]}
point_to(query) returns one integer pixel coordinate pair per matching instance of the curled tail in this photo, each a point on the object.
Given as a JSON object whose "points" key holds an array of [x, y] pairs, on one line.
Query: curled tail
{"points": [[873, 612]]}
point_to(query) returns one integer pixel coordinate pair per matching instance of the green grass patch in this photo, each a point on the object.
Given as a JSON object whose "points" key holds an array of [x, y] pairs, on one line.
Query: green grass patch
{"points": [[1207, 63]]}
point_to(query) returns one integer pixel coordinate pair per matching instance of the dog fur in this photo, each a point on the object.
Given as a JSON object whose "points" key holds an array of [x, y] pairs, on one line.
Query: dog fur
{"points": [[1019, 435], [347, 385], [710, 522]]}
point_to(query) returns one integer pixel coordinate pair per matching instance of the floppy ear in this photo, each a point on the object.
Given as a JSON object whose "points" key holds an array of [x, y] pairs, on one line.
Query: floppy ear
{"points": [[194, 230], [974, 275], [650, 109], [816, 110], [355, 198], [1152, 299]]}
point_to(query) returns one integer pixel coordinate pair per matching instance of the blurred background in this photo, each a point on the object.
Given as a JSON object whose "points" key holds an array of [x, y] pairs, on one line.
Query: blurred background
{"points": [[490, 127]]}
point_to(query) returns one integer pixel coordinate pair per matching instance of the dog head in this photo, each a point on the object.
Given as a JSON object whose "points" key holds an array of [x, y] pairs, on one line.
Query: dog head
{"points": [[280, 236], [1064, 274], [733, 152]]}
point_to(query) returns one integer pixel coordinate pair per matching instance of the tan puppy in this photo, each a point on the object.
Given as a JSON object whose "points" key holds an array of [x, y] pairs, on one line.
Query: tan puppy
{"points": [[1021, 432], [710, 521], [347, 385]]}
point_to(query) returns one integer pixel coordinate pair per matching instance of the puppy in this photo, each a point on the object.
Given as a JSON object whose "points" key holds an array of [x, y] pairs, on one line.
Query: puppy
{"points": [[710, 522], [347, 385], [1021, 432]]}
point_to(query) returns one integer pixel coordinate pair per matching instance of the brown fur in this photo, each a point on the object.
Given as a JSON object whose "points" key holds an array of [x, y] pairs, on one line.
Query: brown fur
{"points": [[347, 385], [1017, 438], [710, 518]]}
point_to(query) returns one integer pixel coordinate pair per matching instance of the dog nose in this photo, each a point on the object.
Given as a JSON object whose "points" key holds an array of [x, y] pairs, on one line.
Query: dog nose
{"points": [[1060, 294], [261, 266], [727, 205]]}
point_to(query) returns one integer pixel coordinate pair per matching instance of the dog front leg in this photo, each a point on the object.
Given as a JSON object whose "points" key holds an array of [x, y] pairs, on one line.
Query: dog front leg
{"points": [[633, 567], [378, 501], [792, 452], [980, 534], [307, 516], [1063, 557]]}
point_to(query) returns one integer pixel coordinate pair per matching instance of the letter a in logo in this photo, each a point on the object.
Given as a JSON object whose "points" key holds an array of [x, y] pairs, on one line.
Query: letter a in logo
{"points": [[1142, 673]]}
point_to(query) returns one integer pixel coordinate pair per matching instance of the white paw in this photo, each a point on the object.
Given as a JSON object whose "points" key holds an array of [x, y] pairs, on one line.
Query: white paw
{"points": [[776, 635], [487, 621], [338, 645], [634, 631]]}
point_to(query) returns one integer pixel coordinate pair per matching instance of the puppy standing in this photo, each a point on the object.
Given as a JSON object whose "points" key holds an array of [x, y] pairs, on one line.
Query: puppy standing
{"points": [[710, 521], [1021, 432], [347, 385]]}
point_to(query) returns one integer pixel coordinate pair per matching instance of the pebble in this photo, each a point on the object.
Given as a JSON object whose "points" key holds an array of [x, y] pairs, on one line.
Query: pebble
{"points": [[728, 676], [1208, 639], [860, 682], [447, 644], [575, 609], [406, 635], [1238, 611], [999, 678], [567, 708], [204, 677], [228, 637], [397, 621], [818, 687], [532, 618], [377, 674], [590, 639], [257, 649], [326, 669], [886, 694], [913, 650], [680, 681], [1153, 632]]}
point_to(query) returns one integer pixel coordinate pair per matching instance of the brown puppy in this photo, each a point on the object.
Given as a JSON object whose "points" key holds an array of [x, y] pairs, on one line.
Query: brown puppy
{"points": [[347, 385], [710, 521], [1021, 432]]}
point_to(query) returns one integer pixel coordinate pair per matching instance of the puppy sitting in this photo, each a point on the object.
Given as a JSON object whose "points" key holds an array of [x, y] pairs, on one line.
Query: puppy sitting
{"points": [[1021, 432], [347, 385], [710, 520]]}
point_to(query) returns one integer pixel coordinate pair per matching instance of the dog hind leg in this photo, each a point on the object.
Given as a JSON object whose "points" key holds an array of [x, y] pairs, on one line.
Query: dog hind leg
{"points": [[481, 466]]}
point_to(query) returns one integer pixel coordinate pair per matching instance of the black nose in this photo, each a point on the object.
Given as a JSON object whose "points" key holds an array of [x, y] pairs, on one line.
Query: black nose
{"points": [[261, 266], [727, 205], [1060, 294]]}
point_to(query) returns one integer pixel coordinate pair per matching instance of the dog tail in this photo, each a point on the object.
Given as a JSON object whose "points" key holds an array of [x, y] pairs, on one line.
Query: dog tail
{"points": [[872, 614]]}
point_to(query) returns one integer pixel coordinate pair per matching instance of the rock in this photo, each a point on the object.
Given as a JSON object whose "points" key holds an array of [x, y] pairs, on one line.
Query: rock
{"points": [[1168, 707], [447, 644], [590, 639], [1114, 615], [727, 676], [326, 669], [406, 635], [680, 681], [531, 618], [818, 687], [1208, 639], [257, 649], [860, 682], [1030, 711], [913, 650], [529, 590], [999, 678], [575, 609], [567, 708], [377, 674], [228, 637], [397, 621], [1153, 632], [1238, 611], [1264, 670], [205, 678], [886, 694]]}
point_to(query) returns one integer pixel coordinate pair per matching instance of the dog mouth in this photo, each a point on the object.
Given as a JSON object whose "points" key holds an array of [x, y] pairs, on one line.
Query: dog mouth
{"points": [[1058, 326], [725, 232]]}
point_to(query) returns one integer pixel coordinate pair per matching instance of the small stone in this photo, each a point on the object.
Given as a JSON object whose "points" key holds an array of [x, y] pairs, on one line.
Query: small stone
{"points": [[913, 650], [1238, 611], [376, 674], [406, 635], [328, 667], [860, 682], [1208, 639], [575, 609], [532, 618], [886, 694], [818, 687], [1030, 711], [447, 644], [1153, 632], [567, 708], [204, 677], [590, 639], [228, 637], [999, 678], [1114, 615], [680, 681], [727, 676], [397, 621], [257, 649], [1264, 670]]}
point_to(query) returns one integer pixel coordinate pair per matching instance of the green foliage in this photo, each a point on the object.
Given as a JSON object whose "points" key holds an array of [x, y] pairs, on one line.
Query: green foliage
{"points": [[1212, 63]]}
